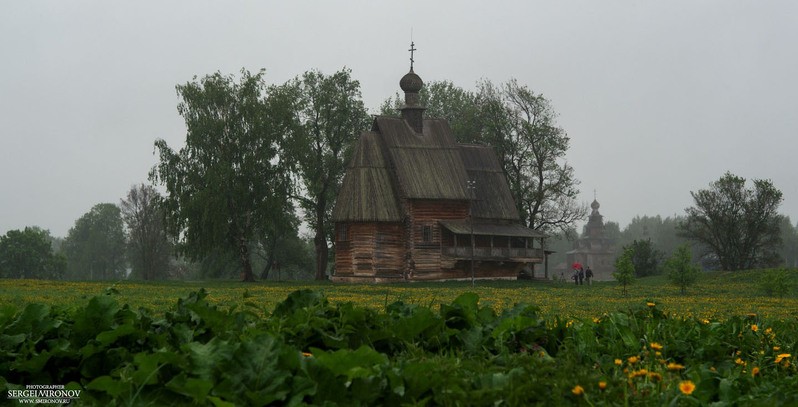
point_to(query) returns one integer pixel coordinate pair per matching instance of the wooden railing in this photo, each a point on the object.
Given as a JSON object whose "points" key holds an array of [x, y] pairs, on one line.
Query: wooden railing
{"points": [[492, 253]]}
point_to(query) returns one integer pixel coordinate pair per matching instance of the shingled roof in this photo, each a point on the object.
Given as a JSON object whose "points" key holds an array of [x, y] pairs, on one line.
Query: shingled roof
{"points": [[367, 193], [493, 197], [392, 162]]}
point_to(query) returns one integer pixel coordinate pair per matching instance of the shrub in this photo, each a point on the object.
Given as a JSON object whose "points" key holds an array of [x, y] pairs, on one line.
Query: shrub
{"points": [[624, 268], [680, 268]]}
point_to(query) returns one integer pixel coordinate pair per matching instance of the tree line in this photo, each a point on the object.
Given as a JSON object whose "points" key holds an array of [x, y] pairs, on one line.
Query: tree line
{"points": [[129, 240], [733, 224], [260, 159]]}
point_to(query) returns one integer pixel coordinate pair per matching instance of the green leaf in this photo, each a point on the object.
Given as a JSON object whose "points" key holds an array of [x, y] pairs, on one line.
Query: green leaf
{"points": [[621, 324], [345, 362], [107, 384], [147, 366], [33, 320], [8, 342], [197, 389], [97, 317], [206, 358], [7, 314], [108, 337], [727, 391], [220, 403]]}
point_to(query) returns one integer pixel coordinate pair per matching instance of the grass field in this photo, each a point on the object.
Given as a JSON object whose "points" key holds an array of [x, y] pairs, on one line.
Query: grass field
{"points": [[717, 295], [227, 343]]}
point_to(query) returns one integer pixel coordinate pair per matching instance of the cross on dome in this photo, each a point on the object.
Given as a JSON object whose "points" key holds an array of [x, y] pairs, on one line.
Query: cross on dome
{"points": [[412, 49]]}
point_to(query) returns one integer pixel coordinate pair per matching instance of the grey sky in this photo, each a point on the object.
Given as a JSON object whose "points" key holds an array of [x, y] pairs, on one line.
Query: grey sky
{"points": [[659, 98]]}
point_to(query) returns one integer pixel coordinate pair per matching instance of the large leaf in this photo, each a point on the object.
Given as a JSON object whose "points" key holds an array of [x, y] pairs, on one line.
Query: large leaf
{"points": [[109, 385], [358, 363]]}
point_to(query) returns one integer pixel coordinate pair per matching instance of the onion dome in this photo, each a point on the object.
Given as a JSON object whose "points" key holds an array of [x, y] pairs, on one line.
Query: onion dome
{"points": [[411, 83]]}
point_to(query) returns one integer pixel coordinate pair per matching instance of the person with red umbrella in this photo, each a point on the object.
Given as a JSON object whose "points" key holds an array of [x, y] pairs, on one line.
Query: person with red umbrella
{"points": [[577, 266]]}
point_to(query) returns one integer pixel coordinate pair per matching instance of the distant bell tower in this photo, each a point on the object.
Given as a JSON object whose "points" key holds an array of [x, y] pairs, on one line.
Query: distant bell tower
{"points": [[595, 223], [594, 249], [411, 84]]}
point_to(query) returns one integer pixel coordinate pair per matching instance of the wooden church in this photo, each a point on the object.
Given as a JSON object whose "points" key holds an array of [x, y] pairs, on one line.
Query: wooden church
{"points": [[415, 205]]}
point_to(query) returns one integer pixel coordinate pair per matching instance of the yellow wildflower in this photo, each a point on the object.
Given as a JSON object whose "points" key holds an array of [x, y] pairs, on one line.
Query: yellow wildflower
{"points": [[654, 376], [578, 390], [755, 371], [651, 304], [686, 387], [781, 356], [739, 362], [655, 346], [638, 373], [602, 385], [754, 328], [633, 359], [776, 348], [673, 366], [618, 362]]}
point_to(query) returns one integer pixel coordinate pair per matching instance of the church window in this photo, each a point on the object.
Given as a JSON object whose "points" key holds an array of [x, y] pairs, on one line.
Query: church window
{"points": [[426, 233]]}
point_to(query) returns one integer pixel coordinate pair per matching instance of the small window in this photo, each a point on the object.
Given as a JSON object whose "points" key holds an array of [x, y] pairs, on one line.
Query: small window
{"points": [[426, 233], [343, 233]]}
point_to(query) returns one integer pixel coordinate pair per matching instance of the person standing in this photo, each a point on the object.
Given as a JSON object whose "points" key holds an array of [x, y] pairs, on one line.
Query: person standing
{"points": [[589, 275], [581, 275]]}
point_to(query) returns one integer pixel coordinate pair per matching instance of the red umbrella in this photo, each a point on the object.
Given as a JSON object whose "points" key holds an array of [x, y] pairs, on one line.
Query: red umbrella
{"points": [[577, 265]]}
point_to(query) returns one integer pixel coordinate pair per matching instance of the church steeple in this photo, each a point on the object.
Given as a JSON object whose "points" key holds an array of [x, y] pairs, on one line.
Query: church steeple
{"points": [[595, 223], [411, 84]]}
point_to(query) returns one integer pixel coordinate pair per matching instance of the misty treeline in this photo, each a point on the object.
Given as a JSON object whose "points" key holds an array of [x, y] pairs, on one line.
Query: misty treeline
{"points": [[731, 226], [129, 240], [661, 237], [259, 160]]}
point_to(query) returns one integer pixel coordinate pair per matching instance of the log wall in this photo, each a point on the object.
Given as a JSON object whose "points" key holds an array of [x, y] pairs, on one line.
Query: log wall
{"points": [[369, 249], [426, 213]]}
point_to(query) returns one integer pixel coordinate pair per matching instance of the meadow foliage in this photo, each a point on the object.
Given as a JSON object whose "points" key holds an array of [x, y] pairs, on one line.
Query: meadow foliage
{"points": [[308, 349]]}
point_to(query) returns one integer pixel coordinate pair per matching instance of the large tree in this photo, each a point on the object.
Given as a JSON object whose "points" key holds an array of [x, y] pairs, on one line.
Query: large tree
{"points": [[95, 246], [738, 226], [149, 249], [521, 126], [28, 253], [228, 183], [328, 116], [645, 257]]}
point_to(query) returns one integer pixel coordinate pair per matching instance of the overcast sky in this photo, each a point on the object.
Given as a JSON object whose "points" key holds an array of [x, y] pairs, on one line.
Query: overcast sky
{"points": [[659, 98]]}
